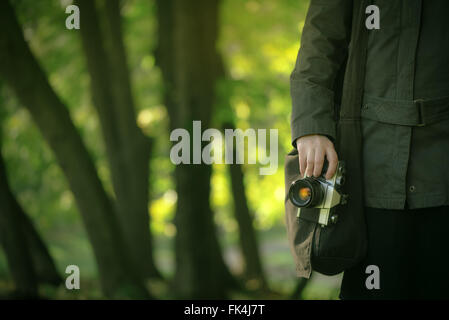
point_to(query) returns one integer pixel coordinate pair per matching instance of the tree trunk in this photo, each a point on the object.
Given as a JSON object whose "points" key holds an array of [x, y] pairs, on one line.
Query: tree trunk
{"points": [[24, 75], [43, 263], [247, 235], [14, 241], [188, 60], [127, 148]]}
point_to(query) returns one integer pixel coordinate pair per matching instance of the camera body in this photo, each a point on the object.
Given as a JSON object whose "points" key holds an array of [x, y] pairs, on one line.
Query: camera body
{"points": [[317, 192]]}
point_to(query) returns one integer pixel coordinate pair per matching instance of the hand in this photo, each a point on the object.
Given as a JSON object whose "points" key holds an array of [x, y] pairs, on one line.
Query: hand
{"points": [[311, 152]]}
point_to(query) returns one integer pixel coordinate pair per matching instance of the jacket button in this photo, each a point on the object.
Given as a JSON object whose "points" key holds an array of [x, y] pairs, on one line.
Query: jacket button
{"points": [[412, 188]]}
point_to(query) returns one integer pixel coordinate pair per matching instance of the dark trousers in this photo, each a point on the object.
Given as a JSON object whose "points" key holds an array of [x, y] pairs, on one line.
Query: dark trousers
{"points": [[411, 250]]}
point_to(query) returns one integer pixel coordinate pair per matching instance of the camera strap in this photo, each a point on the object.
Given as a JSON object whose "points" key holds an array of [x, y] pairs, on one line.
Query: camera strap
{"points": [[311, 214]]}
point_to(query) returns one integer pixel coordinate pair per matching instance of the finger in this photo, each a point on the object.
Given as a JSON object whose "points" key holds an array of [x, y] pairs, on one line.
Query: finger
{"points": [[302, 162], [310, 162], [319, 160], [332, 159]]}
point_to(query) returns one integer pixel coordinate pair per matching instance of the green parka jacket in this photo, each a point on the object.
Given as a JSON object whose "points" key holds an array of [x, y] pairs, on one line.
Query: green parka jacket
{"points": [[393, 88]]}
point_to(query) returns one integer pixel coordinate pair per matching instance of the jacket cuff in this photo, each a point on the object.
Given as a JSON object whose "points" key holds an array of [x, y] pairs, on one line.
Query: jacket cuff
{"points": [[312, 111], [303, 127]]}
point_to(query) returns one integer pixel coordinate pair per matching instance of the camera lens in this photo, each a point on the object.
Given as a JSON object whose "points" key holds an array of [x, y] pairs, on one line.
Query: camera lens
{"points": [[306, 192]]}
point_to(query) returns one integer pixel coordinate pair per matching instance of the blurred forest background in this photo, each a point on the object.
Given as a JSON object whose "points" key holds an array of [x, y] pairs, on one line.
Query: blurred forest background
{"points": [[85, 173]]}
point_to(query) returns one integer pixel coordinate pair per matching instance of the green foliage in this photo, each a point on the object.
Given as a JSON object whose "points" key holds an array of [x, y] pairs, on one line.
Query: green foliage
{"points": [[259, 42]]}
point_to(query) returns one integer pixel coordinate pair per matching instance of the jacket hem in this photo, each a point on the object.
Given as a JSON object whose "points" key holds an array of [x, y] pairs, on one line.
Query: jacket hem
{"points": [[424, 200]]}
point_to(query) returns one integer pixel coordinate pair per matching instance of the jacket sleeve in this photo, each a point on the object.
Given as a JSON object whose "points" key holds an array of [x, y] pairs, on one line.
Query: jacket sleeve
{"points": [[324, 46]]}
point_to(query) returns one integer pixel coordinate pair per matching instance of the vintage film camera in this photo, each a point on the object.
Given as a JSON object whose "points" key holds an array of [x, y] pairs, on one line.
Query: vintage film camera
{"points": [[321, 194]]}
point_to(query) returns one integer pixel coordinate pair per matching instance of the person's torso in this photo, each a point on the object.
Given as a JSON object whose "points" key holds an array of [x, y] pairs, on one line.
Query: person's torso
{"points": [[407, 62]]}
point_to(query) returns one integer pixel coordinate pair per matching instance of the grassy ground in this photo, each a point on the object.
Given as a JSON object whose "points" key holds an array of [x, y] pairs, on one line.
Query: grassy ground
{"points": [[276, 257]]}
